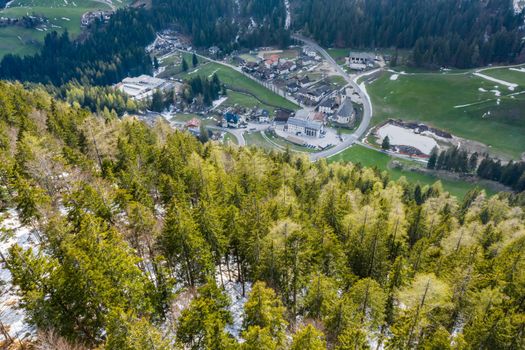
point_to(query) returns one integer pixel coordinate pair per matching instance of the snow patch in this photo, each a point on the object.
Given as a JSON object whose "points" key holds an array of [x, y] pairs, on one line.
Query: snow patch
{"points": [[13, 232], [394, 77], [522, 70], [400, 136], [511, 86], [497, 93], [482, 90]]}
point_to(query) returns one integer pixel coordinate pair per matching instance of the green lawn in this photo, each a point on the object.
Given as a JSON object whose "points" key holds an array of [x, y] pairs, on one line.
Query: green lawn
{"points": [[62, 15], [507, 74], [256, 139], [371, 158], [233, 78], [237, 98], [431, 98], [229, 137], [293, 147]]}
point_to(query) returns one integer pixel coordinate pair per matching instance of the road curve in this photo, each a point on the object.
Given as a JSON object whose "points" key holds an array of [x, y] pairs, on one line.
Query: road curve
{"points": [[367, 106]]}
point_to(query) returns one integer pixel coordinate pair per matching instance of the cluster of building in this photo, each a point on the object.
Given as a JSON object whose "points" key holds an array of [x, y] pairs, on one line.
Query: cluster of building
{"points": [[361, 60], [168, 40], [269, 68], [91, 16], [142, 87]]}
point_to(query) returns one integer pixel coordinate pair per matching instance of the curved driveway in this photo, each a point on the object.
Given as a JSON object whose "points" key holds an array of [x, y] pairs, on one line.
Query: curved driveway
{"points": [[367, 106]]}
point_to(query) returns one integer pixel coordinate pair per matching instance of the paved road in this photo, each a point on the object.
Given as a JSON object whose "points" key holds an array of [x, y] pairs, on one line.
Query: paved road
{"points": [[367, 106]]}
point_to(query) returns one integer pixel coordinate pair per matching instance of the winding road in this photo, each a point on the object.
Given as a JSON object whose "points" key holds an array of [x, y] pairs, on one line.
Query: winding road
{"points": [[367, 105]]}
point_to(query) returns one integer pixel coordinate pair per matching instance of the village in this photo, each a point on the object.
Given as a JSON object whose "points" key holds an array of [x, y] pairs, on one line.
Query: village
{"points": [[327, 107]]}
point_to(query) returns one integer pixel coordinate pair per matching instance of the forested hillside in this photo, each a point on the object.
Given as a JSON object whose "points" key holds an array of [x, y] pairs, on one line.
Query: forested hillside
{"points": [[455, 33], [137, 229], [112, 51]]}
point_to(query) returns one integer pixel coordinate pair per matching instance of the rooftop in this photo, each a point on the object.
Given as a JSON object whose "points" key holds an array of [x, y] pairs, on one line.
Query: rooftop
{"points": [[310, 124]]}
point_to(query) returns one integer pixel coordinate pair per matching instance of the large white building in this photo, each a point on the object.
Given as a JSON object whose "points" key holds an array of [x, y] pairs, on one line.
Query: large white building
{"points": [[139, 88], [303, 126]]}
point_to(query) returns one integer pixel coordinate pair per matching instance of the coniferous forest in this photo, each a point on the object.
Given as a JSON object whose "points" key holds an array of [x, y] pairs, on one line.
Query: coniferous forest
{"points": [[139, 228], [454, 33]]}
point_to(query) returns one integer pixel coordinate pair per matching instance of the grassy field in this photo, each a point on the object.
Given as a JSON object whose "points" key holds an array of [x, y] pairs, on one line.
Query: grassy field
{"points": [[454, 102], [62, 15], [256, 139], [237, 98], [507, 74], [229, 137], [231, 77], [371, 158]]}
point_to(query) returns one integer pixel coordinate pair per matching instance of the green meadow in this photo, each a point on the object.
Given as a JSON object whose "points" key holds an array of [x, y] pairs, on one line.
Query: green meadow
{"points": [[62, 15], [456, 102], [371, 158]]}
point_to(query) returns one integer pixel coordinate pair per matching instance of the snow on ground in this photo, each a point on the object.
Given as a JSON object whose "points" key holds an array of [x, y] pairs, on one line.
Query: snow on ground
{"points": [[234, 292], [212, 73], [66, 19], [12, 232], [159, 71], [482, 90], [288, 20], [400, 136], [497, 93], [219, 102], [519, 5], [193, 72], [233, 289], [522, 70], [394, 76], [511, 86]]}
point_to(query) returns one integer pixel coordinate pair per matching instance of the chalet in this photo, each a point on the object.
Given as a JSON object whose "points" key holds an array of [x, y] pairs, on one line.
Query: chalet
{"points": [[361, 60], [282, 116], [293, 87], [328, 106], [214, 50], [304, 81], [309, 51], [261, 115], [194, 123], [232, 120], [299, 126], [287, 67]]}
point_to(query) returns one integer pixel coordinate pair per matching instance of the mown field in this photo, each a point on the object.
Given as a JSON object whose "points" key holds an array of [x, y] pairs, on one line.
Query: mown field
{"points": [[454, 102], [371, 158], [62, 15], [508, 74], [237, 98]]}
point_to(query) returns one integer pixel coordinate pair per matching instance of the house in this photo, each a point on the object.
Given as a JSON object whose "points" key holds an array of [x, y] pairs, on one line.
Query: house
{"points": [[214, 50], [309, 51], [361, 60], [298, 126], [317, 94], [293, 87], [261, 115], [287, 67], [304, 81], [232, 120], [328, 106], [194, 123], [282, 116], [345, 114]]}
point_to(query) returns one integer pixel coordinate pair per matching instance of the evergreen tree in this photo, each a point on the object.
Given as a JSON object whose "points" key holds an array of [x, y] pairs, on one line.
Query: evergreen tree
{"points": [[184, 65], [386, 143], [194, 60]]}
